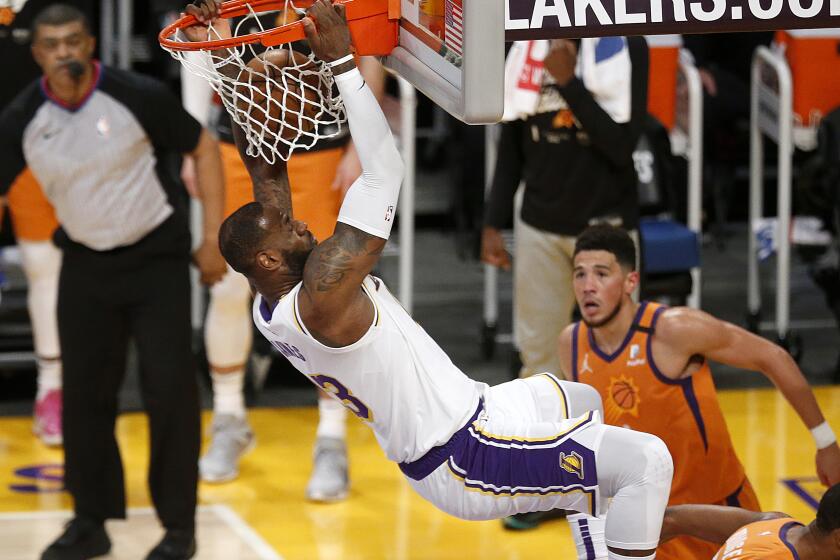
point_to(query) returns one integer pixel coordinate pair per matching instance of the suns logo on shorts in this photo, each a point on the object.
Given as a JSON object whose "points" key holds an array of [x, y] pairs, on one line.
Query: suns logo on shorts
{"points": [[623, 398], [572, 463]]}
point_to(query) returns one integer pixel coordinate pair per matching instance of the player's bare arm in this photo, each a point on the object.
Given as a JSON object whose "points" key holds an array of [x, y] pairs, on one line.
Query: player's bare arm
{"points": [[211, 27], [714, 524], [332, 304], [683, 334], [270, 181], [564, 351]]}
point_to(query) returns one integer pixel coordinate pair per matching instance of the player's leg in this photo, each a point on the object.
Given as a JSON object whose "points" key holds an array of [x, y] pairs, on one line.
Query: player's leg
{"points": [[34, 222], [575, 399], [228, 337], [227, 340], [543, 300], [316, 203], [554, 401], [42, 265], [634, 471]]}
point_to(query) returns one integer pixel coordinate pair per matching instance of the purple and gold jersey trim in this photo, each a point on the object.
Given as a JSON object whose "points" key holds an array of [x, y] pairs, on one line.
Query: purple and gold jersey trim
{"points": [[299, 322], [436, 456], [563, 397], [523, 442], [783, 532], [504, 466]]}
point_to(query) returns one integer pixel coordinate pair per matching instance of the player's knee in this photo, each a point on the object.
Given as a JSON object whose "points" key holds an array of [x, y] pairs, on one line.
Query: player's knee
{"points": [[659, 466], [41, 261], [230, 294]]}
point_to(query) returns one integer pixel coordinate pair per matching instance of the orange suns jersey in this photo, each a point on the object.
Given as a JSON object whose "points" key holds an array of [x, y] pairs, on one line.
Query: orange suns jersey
{"points": [[759, 541], [684, 413]]}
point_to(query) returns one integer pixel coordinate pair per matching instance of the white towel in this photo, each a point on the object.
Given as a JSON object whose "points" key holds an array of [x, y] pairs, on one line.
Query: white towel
{"points": [[603, 66]]}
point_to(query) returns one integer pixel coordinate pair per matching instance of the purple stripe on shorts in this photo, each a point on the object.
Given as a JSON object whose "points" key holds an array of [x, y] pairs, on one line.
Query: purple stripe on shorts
{"points": [[436, 456], [509, 467], [587, 539]]}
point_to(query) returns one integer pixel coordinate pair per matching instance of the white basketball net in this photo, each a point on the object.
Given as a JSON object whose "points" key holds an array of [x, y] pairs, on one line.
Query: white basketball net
{"points": [[280, 110]]}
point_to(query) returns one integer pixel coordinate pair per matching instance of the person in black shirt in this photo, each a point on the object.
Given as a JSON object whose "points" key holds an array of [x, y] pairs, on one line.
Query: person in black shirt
{"points": [[577, 167], [105, 144]]}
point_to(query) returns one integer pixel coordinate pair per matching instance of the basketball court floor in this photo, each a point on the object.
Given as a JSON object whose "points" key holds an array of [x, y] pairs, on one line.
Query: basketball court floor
{"points": [[263, 514]]}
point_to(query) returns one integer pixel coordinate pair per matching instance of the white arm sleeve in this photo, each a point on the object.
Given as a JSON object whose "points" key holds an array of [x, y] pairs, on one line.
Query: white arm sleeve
{"points": [[371, 201]]}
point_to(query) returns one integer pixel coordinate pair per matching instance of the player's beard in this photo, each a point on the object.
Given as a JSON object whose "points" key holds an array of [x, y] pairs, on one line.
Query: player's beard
{"points": [[610, 316], [295, 259]]}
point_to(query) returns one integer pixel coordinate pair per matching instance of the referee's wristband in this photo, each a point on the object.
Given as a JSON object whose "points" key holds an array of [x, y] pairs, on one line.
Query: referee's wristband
{"points": [[823, 435]]}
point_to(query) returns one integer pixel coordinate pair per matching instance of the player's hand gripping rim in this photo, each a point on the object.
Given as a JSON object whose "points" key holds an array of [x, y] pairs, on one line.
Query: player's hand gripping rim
{"points": [[326, 30], [206, 12]]}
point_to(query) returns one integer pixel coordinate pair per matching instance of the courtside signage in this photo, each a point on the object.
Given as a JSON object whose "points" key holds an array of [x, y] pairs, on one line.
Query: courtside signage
{"points": [[553, 19]]}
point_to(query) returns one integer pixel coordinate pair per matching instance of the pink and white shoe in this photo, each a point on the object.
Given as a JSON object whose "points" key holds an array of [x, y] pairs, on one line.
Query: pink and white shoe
{"points": [[47, 422]]}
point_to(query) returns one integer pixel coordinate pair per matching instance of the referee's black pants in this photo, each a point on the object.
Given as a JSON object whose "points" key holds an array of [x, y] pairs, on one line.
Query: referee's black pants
{"points": [[105, 298]]}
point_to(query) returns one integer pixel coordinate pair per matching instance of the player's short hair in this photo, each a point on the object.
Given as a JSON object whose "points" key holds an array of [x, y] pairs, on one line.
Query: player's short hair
{"points": [[828, 514], [59, 14], [241, 236], [615, 240]]}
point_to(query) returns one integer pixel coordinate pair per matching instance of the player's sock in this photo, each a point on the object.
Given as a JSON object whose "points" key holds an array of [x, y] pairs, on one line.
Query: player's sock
{"points": [[588, 534], [332, 421], [615, 556], [227, 393], [49, 376]]}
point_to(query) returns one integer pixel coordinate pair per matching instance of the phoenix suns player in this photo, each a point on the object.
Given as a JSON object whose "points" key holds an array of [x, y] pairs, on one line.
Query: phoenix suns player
{"points": [[650, 364], [747, 535]]}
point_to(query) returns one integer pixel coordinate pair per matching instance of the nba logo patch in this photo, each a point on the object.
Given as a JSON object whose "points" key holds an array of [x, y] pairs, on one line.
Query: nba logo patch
{"points": [[389, 213], [103, 127]]}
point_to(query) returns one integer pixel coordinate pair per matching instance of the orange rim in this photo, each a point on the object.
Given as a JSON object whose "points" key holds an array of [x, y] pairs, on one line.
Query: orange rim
{"points": [[355, 9]]}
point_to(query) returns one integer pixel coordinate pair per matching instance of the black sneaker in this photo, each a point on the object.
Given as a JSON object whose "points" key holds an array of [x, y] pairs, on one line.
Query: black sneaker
{"points": [[531, 520], [83, 538], [175, 545]]}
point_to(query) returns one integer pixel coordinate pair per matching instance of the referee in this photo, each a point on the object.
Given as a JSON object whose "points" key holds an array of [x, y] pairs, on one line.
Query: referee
{"points": [[105, 145]]}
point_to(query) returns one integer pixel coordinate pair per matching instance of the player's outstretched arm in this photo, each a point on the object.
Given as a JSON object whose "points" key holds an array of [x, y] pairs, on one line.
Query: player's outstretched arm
{"points": [[337, 266], [212, 27], [709, 523], [689, 332]]}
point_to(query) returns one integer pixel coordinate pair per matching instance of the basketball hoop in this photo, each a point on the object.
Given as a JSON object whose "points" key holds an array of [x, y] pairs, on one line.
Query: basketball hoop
{"points": [[282, 99]]}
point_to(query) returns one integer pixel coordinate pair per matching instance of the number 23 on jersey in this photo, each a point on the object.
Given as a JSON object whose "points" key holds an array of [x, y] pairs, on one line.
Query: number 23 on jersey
{"points": [[334, 387]]}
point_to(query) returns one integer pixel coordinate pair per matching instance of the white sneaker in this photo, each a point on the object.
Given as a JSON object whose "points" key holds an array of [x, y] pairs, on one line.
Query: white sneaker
{"points": [[329, 481], [232, 438]]}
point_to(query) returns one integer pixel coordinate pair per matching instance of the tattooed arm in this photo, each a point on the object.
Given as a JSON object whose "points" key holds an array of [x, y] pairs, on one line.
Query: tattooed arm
{"points": [[333, 306]]}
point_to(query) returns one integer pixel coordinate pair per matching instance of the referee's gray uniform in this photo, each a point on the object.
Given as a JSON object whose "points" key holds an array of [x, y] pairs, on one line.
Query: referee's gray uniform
{"points": [[109, 166]]}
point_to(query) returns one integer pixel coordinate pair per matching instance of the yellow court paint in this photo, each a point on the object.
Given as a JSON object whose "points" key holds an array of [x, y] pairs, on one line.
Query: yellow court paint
{"points": [[383, 518]]}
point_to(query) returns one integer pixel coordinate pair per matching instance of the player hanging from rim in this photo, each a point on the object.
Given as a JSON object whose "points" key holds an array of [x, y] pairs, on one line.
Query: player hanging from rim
{"points": [[474, 451], [748, 535], [650, 365]]}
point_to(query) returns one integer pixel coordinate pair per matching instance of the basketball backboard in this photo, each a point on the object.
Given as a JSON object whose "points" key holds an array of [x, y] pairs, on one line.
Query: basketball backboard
{"points": [[453, 52]]}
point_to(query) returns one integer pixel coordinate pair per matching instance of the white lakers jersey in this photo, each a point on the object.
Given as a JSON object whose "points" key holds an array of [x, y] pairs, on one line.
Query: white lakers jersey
{"points": [[395, 378]]}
